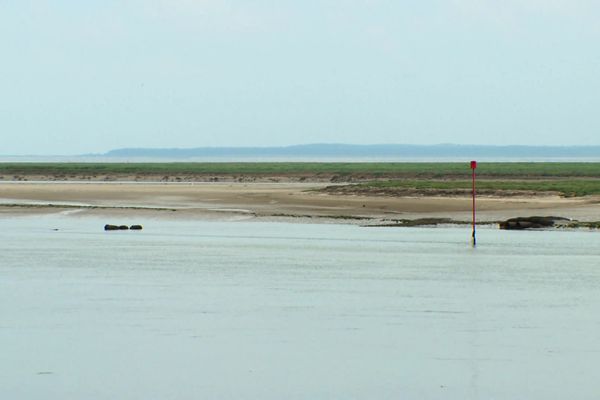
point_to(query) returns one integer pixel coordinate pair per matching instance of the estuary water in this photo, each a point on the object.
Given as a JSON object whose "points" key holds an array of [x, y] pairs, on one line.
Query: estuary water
{"points": [[257, 310]]}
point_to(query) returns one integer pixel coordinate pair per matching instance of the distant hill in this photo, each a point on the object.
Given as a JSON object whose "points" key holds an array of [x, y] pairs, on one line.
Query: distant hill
{"points": [[363, 151]]}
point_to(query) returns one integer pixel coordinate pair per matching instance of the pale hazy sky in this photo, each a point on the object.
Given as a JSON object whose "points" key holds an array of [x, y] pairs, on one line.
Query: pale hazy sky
{"points": [[89, 76]]}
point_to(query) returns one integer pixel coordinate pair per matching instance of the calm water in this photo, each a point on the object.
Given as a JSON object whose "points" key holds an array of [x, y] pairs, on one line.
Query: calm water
{"points": [[247, 310]]}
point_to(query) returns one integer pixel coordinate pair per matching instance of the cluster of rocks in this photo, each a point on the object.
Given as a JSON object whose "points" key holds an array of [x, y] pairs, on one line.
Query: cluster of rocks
{"points": [[520, 223], [109, 227]]}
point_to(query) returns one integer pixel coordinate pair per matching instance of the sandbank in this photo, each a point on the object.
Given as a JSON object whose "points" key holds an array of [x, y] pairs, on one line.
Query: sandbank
{"points": [[290, 200]]}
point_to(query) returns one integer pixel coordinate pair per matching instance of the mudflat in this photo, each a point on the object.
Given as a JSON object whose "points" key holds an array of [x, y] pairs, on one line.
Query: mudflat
{"points": [[273, 200]]}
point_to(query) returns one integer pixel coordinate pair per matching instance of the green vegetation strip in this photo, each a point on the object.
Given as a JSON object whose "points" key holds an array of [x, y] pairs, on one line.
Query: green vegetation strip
{"points": [[426, 170], [568, 188]]}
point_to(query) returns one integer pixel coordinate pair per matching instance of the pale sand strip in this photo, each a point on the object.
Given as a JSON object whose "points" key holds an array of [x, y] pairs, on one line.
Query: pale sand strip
{"points": [[268, 200]]}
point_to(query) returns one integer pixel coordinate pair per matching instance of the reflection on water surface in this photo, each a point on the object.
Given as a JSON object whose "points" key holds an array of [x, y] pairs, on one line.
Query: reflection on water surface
{"points": [[253, 310]]}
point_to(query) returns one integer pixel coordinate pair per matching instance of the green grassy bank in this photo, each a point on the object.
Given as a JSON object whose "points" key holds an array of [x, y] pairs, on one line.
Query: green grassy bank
{"points": [[567, 188], [400, 170]]}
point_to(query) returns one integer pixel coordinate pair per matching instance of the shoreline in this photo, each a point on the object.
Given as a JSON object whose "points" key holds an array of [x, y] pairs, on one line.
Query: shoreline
{"points": [[290, 201]]}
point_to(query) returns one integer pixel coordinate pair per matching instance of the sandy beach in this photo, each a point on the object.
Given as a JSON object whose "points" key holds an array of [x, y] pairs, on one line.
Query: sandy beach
{"points": [[270, 200]]}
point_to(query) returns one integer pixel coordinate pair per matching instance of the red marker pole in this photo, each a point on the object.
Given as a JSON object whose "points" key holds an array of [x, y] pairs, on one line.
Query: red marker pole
{"points": [[473, 167]]}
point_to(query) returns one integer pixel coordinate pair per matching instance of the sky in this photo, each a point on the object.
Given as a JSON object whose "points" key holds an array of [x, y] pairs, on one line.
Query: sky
{"points": [[90, 76]]}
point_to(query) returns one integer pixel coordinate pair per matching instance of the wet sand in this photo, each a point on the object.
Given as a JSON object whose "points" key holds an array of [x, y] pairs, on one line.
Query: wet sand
{"points": [[269, 200]]}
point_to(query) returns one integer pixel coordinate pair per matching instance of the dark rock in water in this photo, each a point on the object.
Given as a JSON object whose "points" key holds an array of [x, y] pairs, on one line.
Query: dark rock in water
{"points": [[109, 227], [520, 223]]}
